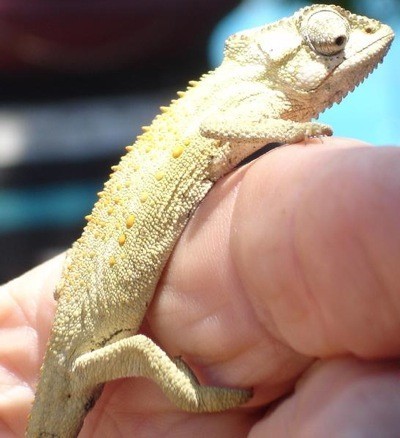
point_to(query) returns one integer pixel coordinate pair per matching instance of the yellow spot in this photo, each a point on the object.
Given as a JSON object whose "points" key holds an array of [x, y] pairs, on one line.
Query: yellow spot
{"points": [[110, 211], [180, 93], [177, 151], [130, 221], [193, 83], [159, 175], [112, 261], [186, 142], [174, 100], [163, 109], [127, 184], [88, 217], [114, 168], [100, 194], [145, 128], [128, 148], [143, 197], [122, 239], [136, 167], [148, 148]]}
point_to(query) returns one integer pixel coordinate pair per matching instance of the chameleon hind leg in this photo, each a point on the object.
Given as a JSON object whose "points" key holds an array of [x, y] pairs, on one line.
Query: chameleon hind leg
{"points": [[138, 355]]}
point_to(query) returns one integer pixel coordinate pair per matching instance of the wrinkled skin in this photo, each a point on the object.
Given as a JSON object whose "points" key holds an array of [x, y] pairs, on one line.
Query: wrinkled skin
{"points": [[290, 259]]}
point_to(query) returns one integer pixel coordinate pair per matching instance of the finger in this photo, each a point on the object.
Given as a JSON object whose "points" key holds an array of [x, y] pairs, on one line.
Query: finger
{"points": [[26, 312], [316, 243], [27, 308], [233, 300], [137, 408], [343, 397]]}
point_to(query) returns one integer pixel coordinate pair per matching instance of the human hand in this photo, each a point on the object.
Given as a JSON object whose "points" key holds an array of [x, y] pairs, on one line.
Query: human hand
{"points": [[286, 277]]}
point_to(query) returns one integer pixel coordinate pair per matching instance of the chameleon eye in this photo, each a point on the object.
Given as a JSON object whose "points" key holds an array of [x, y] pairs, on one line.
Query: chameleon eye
{"points": [[326, 32]]}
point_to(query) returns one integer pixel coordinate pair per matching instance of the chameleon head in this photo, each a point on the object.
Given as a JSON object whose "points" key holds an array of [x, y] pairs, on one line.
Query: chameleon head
{"points": [[319, 54]]}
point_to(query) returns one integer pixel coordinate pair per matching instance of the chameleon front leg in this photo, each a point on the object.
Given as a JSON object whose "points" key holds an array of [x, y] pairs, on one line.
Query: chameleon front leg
{"points": [[138, 355], [246, 125], [239, 127]]}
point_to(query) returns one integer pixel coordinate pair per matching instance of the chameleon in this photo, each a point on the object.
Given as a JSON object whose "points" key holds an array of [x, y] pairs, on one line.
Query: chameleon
{"points": [[273, 80]]}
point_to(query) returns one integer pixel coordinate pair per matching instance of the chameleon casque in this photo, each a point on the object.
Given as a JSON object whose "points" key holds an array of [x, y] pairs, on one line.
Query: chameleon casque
{"points": [[273, 80]]}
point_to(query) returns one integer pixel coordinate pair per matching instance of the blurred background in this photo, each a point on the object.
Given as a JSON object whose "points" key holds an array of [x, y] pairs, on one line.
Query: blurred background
{"points": [[78, 79]]}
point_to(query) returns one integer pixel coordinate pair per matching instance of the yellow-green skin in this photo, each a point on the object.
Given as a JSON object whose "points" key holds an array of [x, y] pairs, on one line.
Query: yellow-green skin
{"points": [[258, 95]]}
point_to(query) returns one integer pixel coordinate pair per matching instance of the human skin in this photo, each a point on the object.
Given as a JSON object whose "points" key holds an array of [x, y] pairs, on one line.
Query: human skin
{"points": [[286, 280]]}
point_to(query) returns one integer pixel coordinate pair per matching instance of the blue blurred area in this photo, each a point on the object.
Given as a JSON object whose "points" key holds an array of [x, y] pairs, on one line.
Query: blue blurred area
{"points": [[52, 206], [371, 112]]}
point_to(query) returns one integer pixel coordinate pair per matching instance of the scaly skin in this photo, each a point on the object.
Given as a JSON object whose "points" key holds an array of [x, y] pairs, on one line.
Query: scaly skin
{"points": [[273, 80]]}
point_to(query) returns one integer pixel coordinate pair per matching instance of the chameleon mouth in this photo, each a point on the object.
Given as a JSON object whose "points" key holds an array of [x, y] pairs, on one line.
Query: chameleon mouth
{"points": [[359, 65], [359, 58]]}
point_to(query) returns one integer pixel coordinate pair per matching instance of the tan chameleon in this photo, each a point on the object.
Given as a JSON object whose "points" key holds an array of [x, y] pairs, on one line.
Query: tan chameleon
{"points": [[272, 81]]}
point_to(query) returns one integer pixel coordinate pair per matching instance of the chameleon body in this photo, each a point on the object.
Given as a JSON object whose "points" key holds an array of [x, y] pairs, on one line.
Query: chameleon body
{"points": [[272, 81]]}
